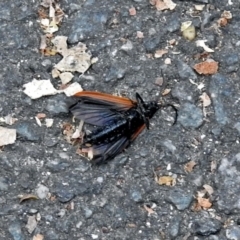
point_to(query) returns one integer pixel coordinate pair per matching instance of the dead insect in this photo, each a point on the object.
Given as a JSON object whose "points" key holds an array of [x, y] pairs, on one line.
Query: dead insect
{"points": [[120, 120]]}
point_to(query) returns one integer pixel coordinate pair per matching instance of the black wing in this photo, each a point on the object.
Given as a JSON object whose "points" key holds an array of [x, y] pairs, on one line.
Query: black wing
{"points": [[104, 152], [97, 111]]}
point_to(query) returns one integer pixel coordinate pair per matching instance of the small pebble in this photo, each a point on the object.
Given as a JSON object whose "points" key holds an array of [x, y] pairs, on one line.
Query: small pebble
{"points": [[219, 89], [152, 43], [115, 73], [29, 131], [42, 191], [190, 116], [233, 233], [185, 72], [181, 199], [16, 231], [136, 196], [206, 226], [57, 105], [3, 184], [64, 195]]}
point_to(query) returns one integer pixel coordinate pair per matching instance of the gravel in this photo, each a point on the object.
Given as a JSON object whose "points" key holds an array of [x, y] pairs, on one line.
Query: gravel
{"points": [[123, 199]]}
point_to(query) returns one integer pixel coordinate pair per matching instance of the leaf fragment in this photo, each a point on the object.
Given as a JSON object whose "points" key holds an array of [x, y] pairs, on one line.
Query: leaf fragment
{"points": [[38, 237], [148, 209], [31, 223], [38, 88], [204, 202], [166, 180], [159, 53], [163, 4], [75, 59], [208, 67], [189, 166], [201, 43], [7, 136], [27, 197]]}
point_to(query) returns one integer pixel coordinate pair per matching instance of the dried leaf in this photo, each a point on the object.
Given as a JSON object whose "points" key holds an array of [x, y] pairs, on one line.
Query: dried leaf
{"points": [[167, 61], [38, 121], [43, 43], [201, 43], [49, 122], [159, 81], [140, 34], [8, 119], [66, 77], [38, 237], [208, 188], [166, 91], [189, 166], [41, 115], [199, 7], [149, 210], [27, 197], [75, 59], [222, 22], [205, 99], [208, 67], [213, 166], [185, 25], [160, 5], [50, 21], [227, 15], [163, 5], [188, 30], [170, 4], [7, 136], [159, 53], [55, 73], [166, 180], [31, 224], [132, 11], [72, 89], [68, 131], [131, 225], [204, 202], [38, 88]]}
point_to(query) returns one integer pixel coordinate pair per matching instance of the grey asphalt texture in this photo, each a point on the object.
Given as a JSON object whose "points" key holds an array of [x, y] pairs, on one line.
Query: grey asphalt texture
{"points": [[121, 199]]}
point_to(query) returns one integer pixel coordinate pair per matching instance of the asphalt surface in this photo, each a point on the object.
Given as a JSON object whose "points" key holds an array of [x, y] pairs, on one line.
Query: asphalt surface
{"points": [[177, 181]]}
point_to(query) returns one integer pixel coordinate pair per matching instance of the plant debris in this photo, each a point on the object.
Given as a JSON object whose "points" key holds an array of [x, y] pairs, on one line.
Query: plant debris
{"points": [[66, 77], [72, 89], [50, 21], [75, 59], [38, 237], [27, 197], [188, 30], [166, 180], [7, 136], [38, 88], [159, 53], [206, 100], [189, 166], [149, 210], [132, 11], [204, 202], [31, 224], [201, 43], [208, 67], [163, 4], [226, 17], [8, 119], [49, 122]]}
